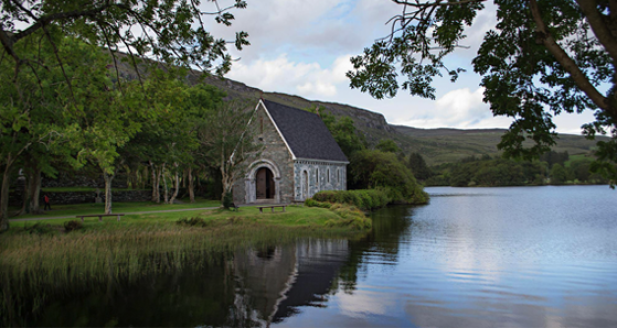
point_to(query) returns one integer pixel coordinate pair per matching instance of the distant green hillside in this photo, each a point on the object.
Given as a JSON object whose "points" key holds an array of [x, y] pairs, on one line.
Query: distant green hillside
{"points": [[436, 145]]}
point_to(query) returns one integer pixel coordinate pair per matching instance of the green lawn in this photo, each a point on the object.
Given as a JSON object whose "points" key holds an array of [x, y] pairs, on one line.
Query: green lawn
{"points": [[92, 208], [293, 216]]}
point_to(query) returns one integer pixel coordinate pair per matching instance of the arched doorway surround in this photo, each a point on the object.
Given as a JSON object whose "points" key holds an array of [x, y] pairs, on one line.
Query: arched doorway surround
{"points": [[262, 183]]}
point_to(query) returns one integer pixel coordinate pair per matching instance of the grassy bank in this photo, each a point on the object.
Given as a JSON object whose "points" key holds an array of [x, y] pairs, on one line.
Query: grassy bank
{"points": [[39, 260], [44, 246]]}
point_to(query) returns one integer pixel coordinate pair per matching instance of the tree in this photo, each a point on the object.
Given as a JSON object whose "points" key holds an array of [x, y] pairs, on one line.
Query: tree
{"points": [[418, 166], [34, 120], [543, 58], [171, 31], [343, 130], [558, 175], [227, 139], [201, 100], [387, 146], [374, 169]]}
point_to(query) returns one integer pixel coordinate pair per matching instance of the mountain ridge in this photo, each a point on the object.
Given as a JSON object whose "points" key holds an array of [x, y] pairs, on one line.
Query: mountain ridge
{"points": [[438, 145]]}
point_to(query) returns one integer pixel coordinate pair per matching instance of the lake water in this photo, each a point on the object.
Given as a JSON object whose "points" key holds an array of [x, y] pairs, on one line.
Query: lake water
{"points": [[473, 257]]}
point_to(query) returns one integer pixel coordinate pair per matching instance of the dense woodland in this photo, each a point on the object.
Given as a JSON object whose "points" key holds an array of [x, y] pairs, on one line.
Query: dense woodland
{"points": [[83, 117], [552, 168], [156, 130]]}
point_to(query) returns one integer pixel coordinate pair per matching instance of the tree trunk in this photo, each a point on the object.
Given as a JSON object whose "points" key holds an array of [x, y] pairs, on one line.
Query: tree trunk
{"points": [[108, 179], [4, 200], [26, 194], [191, 185], [165, 190], [156, 179], [227, 179], [177, 188], [35, 207]]}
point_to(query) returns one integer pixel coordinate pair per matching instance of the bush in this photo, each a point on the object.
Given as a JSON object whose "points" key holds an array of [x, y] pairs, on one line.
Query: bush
{"points": [[313, 203], [373, 169], [72, 225], [193, 222], [366, 199], [228, 200]]}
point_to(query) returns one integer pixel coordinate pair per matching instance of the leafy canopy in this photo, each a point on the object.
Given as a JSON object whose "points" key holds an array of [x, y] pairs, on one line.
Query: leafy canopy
{"points": [[543, 58], [170, 31]]}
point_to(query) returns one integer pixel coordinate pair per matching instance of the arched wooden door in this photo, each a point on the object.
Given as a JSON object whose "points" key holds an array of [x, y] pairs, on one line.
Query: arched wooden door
{"points": [[264, 184]]}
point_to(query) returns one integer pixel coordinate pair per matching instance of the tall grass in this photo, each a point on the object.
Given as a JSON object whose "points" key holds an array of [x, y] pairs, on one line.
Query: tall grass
{"points": [[35, 266]]}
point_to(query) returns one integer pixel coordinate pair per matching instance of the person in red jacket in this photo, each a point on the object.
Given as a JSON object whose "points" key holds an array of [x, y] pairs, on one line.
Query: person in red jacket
{"points": [[46, 200]]}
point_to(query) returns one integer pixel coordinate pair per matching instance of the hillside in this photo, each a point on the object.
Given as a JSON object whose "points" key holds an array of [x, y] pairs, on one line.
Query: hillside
{"points": [[436, 145]]}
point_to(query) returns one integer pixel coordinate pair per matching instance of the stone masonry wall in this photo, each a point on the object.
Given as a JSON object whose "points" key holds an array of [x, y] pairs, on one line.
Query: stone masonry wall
{"points": [[84, 197], [274, 156], [71, 179], [315, 170]]}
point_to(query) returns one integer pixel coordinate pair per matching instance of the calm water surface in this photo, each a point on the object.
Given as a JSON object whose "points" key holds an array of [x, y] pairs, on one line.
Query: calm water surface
{"points": [[473, 257]]}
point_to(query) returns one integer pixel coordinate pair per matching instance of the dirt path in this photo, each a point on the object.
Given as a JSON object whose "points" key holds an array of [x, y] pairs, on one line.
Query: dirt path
{"points": [[127, 213]]}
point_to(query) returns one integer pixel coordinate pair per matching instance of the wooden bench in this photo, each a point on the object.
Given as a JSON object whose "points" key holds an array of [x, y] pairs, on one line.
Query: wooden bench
{"points": [[99, 215], [261, 208]]}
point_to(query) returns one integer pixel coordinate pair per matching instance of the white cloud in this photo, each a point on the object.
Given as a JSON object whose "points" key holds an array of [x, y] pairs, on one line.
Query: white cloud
{"points": [[458, 108], [283, 75], [462, 105], [301, 48]]}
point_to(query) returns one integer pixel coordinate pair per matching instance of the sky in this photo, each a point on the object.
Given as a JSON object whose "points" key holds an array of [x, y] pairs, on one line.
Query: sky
{"points": [[303, 48]]}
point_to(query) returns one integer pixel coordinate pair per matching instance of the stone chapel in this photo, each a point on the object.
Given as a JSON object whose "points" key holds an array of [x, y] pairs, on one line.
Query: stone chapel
{"points": [[299, 157]]}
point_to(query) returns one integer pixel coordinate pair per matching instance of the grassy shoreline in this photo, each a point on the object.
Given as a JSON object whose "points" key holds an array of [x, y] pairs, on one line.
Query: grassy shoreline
{"points": [[47, 260], [45, 245]]}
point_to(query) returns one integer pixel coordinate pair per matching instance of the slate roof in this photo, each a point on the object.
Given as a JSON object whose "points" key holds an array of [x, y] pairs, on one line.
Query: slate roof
{"points": [[305, 133]]}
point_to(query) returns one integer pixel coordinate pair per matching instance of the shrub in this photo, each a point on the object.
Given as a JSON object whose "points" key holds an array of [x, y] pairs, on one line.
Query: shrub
{"points": [[313, 203], [372, 169], [366, 199], [193, 222], [72, 225], [228, 200]]}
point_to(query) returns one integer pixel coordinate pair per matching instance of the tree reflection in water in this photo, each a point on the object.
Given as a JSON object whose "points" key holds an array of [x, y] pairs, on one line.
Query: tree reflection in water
{"points": [[247, 287]]}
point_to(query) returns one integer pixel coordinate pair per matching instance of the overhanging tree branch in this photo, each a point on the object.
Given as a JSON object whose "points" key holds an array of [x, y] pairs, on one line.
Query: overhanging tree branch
{"points": [[596, 21], [566, 62]]}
